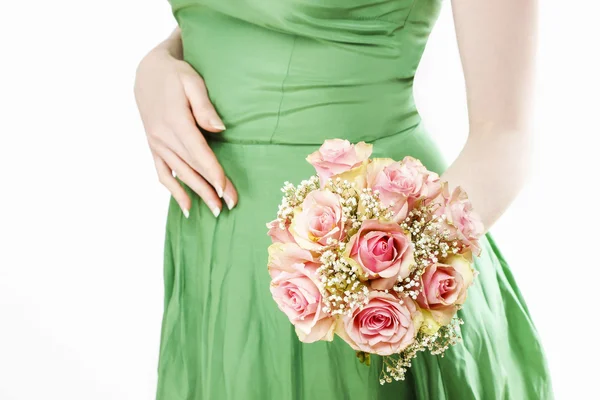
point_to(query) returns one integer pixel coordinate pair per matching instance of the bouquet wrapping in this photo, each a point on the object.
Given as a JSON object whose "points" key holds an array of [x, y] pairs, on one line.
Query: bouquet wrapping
{"points": [[377, 251]]}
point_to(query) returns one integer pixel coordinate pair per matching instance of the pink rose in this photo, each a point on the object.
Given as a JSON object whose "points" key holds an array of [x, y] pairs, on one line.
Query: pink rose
{"points": [[288, 257], [279, 235], [319, 219], [430, 184], [382, 251], [294, 289], [384, 326], [336, 156], [402, 183], [463, 224], [444, 287]]}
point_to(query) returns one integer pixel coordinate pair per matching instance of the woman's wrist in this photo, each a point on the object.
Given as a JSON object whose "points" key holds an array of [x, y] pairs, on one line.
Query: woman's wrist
{"points": [[172, 46], [168, 50], [492, 168]]}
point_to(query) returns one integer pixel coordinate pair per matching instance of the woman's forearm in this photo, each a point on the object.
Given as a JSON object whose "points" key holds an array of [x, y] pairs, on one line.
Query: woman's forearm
{"points": [[497, 42]]}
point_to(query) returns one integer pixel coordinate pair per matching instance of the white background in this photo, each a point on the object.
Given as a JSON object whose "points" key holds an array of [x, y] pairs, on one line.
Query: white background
{"points": [[82, 214]]}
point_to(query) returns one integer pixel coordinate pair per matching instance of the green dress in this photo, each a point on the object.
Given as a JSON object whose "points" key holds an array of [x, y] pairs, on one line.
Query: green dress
{"points": [[285, 75]]}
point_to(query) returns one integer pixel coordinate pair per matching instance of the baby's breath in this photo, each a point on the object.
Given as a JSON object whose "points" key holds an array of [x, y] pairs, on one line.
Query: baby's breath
{"points": [[395, 366], [349, 199], [372, 208], [294, 196], [342, 289], [431, 243]]}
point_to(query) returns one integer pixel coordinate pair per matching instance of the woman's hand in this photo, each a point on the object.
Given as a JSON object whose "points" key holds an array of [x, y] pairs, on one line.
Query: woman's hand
{"points": [[173, 101]]}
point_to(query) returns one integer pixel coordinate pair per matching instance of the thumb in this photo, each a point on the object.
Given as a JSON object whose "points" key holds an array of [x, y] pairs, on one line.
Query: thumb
{"points": [[204, 112]]}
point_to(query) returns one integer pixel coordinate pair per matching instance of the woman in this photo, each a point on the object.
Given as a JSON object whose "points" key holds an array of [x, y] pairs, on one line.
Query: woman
{"points": [[263, 84]]}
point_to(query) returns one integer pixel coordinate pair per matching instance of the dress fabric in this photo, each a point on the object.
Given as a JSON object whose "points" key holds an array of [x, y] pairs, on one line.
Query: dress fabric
{"points": [[285, 75]]}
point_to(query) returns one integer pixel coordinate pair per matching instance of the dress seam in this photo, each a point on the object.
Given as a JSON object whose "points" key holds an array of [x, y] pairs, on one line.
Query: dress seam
{"points": [[287, 74], [412, 7], [211, 138]]}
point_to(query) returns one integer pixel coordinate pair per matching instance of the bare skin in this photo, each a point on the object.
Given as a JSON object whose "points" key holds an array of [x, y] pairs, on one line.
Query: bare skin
{"points": [[173, 102], [497, 44], [496, 40]]}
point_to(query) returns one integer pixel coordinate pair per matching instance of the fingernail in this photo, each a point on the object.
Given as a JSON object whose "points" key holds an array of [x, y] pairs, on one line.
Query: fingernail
{"points": [[219, 192], [217, 125], [216, 211], [228, 201], [186, 212]]}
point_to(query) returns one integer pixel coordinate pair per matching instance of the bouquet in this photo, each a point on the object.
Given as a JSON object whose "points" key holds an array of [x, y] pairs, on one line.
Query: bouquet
{"points": [[376, 251]]}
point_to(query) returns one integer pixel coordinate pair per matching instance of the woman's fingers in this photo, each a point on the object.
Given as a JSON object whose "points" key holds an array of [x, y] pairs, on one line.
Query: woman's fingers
{"points": [[230, 195], [165, 176], [192, 149], [202, 108], [199, 155], [191, 178]]}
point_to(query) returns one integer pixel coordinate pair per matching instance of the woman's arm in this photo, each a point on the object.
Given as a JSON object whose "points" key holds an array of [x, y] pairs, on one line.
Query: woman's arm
{"points": [[496, 40]]}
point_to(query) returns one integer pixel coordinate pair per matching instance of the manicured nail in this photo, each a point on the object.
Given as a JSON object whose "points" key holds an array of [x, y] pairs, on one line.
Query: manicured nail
{"points": [[185, 211], [228, 201], [217, 125], [219, 192], [216, 211]]}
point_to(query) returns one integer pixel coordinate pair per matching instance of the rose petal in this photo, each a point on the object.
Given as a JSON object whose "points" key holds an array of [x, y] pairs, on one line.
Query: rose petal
{"points": [[323, 330]]}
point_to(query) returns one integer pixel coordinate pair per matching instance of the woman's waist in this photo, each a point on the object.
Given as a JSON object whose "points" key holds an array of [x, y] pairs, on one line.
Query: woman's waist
{"points": [[292, 120]]}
